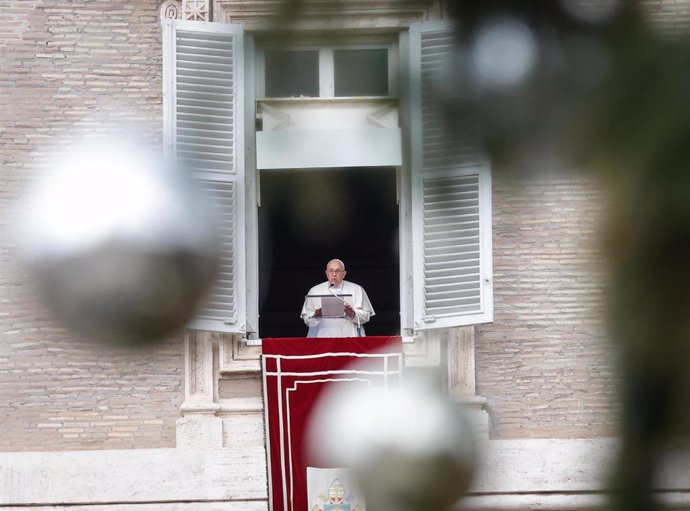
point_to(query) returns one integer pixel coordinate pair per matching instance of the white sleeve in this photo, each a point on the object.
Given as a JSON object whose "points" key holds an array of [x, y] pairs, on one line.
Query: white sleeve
{"points": [[308, 310], [363, 308]]}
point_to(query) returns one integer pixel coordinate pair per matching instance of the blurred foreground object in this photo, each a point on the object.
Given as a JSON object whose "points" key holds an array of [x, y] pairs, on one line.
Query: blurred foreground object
{"points": [[593, 86], [119, 246], [410, 449], [569, 84]]}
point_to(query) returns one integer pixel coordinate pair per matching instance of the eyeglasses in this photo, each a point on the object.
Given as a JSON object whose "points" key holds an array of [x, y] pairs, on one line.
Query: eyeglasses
{"points": [[334, 271]]}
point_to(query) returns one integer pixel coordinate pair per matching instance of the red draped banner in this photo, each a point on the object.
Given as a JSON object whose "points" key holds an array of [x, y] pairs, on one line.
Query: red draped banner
{"points": [[295, 372]]}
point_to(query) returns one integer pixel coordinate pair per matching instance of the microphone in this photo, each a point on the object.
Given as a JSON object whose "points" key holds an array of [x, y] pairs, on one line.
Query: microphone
{"points": [[332, 291]]}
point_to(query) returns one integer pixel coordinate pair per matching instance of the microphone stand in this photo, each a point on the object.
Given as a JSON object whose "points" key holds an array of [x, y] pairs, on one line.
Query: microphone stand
{"points": [[359, 325]]}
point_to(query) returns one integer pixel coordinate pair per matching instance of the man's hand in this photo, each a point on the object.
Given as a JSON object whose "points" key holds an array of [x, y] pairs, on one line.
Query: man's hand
{"points": [[317, 313], [349, 311]]}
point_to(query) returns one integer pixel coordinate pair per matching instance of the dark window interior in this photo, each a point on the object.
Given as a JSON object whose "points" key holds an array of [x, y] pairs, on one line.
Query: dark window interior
{"points": [[292, 73], [308, 217], [361, 72]]}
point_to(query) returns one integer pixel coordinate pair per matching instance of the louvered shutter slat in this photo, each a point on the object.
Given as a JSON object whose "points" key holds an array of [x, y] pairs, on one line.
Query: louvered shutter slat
{"points": [[205, 62], [221, 302], [450, 247], [451, 203], [205, 92]]}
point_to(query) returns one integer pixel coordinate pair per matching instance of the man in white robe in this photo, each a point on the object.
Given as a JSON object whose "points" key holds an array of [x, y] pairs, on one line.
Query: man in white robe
{"points": [[357, 308]]}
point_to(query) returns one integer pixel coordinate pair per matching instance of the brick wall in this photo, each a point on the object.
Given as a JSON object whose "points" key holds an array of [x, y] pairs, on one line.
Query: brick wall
{"points": [[669, 17], [545, 365], [58, 393], [69, 67], [77, 65]]}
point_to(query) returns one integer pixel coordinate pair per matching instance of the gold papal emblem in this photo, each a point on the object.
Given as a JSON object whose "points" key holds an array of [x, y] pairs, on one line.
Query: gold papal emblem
{"points": [[335, 499]]}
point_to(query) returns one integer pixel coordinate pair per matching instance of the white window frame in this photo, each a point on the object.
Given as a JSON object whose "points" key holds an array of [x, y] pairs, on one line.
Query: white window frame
{"points": [[249, 87], [327, 64]]}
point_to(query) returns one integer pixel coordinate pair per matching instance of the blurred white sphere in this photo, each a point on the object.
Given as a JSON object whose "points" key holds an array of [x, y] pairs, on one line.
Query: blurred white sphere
{"points": [[121, 247], [504, 53], [409, 447]]}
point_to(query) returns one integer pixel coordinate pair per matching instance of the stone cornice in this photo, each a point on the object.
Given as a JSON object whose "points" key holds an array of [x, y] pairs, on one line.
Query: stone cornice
{"points": [[321, 14], [260, 15]]}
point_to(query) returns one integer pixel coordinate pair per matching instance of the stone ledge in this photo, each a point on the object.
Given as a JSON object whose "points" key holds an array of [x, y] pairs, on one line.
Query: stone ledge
{"points": [[559, 502], [132, 476], [547, 474]]}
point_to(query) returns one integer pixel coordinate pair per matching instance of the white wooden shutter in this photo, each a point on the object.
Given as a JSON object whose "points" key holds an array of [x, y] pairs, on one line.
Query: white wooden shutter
{"points": [[451, 195], [203, 126]]}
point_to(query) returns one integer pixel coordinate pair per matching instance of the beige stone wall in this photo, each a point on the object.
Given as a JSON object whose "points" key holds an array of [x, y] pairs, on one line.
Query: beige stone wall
{"points": [[668, 16], [545, 365], [73, 66], [60, 394]]}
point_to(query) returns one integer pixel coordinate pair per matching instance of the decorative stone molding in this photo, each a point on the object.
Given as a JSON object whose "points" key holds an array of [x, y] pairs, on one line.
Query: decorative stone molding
{"points": [[171, 10], [212, 358], [200, 384], [193, 10], [324, 14], [236, 357], [196, 10], [305, 14]]}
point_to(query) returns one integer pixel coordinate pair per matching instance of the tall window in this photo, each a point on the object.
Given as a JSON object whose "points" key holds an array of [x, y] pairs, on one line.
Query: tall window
{"points": [[349, 119]]}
